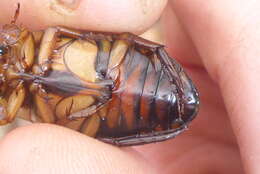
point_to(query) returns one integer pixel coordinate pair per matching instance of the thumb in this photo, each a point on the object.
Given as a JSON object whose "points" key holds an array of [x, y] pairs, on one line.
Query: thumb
{"points": [[44, 148]]}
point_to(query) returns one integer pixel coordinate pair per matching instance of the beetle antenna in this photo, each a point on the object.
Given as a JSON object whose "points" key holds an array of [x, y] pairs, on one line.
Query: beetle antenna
{"points": [[16, 13]]}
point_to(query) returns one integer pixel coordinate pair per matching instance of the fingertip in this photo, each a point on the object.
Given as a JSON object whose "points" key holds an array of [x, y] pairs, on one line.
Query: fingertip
{"points": [[112, 15], [44, 148]]}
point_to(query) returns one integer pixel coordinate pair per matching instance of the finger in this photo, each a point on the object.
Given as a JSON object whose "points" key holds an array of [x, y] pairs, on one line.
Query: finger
{"points": [[178, 43], [43, 148], [226, 35], [110, 15]]}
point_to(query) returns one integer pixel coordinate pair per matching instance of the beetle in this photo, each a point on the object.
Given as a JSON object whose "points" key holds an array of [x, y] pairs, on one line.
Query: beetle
{"points": [[119, 88]]}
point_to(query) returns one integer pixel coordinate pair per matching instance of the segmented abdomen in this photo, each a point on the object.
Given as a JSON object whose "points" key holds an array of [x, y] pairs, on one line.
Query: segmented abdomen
{"points": [[144, 100]]}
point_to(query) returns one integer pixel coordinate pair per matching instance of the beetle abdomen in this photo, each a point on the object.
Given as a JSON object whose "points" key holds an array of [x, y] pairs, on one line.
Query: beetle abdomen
{"points": [[145, 99]]}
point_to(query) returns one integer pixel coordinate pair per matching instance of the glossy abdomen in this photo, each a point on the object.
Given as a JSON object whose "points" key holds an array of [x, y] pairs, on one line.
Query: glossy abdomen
{"points": [[143, 102]]}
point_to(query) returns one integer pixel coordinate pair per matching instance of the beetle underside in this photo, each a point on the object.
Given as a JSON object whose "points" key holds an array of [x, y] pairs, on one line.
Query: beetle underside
{"points": [[119, 88]]}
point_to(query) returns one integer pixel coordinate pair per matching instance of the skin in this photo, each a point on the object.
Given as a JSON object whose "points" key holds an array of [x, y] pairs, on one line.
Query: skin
{"points": [[217, 43]]}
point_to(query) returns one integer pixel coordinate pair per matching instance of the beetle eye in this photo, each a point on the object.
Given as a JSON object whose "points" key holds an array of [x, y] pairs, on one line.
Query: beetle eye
{"points": [[3, 50]]}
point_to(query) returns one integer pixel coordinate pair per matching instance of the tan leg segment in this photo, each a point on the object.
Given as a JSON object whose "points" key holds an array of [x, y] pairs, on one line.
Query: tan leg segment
{"points": [[9, 109]]}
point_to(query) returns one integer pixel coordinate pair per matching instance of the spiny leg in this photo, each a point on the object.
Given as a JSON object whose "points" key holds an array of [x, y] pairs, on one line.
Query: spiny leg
{"points": [[10, 107], [78, 106], [86, 112], [17, 11], [38, 89], [101, 97], [134, 39], [3, 112]]}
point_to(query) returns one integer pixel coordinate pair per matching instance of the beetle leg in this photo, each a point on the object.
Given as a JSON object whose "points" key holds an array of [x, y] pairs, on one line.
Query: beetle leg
{"points": [[147, 138], [37, 88], [27, 51], [174, 71], [48, 41], [101, 100], [76, 34], [9, 108], [77, 107], [3, 111], [43, 93], [99, 85], [86, 112], [134, 39], [68, 32], [17, 11], [45, 66]]}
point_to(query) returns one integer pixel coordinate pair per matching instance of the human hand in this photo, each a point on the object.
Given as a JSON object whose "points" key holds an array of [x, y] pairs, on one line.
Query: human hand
{"points": [[211, 36], [218, 40]]}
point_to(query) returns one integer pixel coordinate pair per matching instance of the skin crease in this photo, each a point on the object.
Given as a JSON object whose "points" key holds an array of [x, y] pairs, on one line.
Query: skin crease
{"points": [[216, 41]]}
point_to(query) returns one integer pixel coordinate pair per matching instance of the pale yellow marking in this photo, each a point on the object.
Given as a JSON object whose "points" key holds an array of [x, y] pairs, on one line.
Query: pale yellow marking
{"points": [[80, 58], [72, 124], [73, 104], [91, 125], [28, 50], [47, 45], [58, 55], [117, 53], [15, 101], [44, 110]]}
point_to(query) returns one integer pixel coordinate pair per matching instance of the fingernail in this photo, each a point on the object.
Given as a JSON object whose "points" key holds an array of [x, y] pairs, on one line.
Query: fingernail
{"points": [[67, 2], [64, 7]]}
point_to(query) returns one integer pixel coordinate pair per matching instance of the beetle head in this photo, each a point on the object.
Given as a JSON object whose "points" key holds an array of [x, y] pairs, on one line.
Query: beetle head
{"points": [[9, 34]]}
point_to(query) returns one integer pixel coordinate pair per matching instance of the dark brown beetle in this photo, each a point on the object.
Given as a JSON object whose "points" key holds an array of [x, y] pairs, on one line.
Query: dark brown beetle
{"points": [[119, 88]]}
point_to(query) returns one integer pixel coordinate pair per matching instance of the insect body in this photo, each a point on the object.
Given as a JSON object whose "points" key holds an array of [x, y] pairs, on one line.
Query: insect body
{"points": [[119, 88]]}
